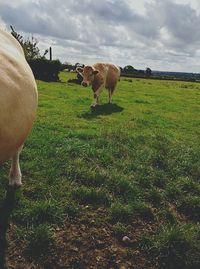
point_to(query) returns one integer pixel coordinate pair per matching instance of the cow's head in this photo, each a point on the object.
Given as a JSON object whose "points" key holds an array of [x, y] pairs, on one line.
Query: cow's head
{"points": [[88, 73]]}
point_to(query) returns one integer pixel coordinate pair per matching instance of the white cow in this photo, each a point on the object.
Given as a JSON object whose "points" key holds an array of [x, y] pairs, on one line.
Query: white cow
{"points": [[18, 103]]}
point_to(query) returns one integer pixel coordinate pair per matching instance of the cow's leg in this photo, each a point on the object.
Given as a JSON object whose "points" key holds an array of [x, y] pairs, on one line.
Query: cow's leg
{"points": [[15, 175], [110, 92], [96, 97], [110, 96]]}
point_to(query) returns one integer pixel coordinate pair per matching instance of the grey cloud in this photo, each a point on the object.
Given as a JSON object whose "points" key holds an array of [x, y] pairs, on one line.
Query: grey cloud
{"points": [[111, 30], [182, 23]]}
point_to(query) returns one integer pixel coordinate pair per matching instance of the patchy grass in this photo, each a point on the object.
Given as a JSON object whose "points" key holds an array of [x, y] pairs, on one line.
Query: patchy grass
{"points": [[120, 230], [91, 174], [175, 247], [91, 196], [190, 206], [40, 239]]}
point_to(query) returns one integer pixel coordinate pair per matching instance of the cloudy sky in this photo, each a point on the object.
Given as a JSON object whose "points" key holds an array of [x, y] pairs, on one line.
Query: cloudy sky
{"points": [[160, 34]]}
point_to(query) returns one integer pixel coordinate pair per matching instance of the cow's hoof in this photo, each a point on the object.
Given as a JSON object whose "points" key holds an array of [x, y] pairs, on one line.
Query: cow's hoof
{"points": [[15, 182], [15, 185], [92, 107]]}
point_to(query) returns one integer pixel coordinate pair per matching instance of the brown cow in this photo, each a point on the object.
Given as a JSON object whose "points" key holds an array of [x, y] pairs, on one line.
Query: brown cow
{"points": [[100, 75], [18, 103]]}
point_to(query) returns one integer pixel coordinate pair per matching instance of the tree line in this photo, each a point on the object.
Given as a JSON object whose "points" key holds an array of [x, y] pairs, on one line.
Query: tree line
{"points": [[48, 70]]}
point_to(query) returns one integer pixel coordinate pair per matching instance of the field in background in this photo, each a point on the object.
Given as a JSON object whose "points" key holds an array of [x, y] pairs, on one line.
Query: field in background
{"points": [[90, 178]]}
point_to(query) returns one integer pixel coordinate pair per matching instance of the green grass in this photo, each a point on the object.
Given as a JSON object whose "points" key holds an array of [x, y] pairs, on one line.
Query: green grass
{"points": [[138, 159], [120, 230], [40, 239], [175, 247]]}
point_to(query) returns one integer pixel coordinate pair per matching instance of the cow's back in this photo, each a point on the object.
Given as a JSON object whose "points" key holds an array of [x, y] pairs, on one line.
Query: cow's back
{"points": [[110, 72], [18, 96]]}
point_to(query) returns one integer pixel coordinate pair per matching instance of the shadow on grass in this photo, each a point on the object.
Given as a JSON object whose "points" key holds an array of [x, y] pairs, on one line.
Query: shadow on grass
{"points": [[6, 209], [105, 109]]}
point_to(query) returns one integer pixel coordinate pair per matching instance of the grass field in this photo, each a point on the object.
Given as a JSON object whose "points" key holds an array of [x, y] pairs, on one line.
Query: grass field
{"points": [[90, 178]]}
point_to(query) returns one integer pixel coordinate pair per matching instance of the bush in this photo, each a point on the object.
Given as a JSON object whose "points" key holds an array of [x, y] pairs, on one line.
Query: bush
{"points": [[44, 69]]}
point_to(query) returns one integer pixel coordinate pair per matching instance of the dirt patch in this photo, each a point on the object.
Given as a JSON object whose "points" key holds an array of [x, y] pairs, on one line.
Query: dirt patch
{"points": [[85, 242]]}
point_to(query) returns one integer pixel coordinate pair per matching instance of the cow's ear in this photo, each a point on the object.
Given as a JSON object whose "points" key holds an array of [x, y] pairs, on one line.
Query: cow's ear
{"points": [[95, 72], [79, 70]]}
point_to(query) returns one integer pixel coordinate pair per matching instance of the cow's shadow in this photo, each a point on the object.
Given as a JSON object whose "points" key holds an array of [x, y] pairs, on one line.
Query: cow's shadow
{"points": [[6, 208], [105, 109]]}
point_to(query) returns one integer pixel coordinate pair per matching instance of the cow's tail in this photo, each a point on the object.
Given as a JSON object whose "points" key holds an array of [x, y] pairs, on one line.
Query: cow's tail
{"points": [[119, 72]]}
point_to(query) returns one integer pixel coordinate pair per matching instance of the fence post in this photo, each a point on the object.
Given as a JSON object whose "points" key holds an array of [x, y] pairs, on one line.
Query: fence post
{"points": [[50, 53]]}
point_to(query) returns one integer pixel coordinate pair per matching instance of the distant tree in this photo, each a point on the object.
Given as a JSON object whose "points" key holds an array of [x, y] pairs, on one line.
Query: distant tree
{"points": [[79, 65], [67, 63], [31, 49], [129, 69], [148, 72], [121, 69], [17, 36], [29, 46], [140, 72]]}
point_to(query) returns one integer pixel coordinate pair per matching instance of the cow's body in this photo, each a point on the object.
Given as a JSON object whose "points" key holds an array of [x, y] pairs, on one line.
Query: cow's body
{"points": [[18, 102], [99, 76]]}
